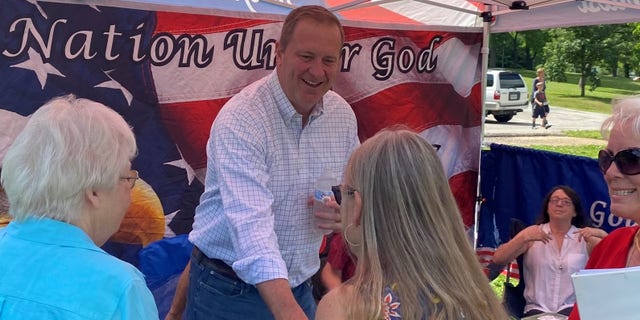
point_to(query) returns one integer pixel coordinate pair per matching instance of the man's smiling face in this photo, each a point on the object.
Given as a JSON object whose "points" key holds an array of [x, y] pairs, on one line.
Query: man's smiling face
{"points": [[308, 66]]}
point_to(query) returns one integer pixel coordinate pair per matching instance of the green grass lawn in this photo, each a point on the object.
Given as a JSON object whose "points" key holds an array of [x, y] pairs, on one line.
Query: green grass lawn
{"points": [[567, 94], [590, 151]]}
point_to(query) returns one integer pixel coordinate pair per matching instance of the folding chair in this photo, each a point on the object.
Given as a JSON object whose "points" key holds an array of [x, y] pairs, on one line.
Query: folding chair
{"points": [[514, 295]]}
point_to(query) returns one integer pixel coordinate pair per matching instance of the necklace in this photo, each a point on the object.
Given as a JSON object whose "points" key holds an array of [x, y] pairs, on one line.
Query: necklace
{"points": [[636, 244]]}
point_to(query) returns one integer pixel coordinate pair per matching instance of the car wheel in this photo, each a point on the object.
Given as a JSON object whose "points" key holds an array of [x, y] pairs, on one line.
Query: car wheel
{"points": [[503, 117]]}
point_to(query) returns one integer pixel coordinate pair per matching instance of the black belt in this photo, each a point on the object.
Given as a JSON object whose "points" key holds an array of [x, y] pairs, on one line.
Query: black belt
{"points": [[216, 265]]}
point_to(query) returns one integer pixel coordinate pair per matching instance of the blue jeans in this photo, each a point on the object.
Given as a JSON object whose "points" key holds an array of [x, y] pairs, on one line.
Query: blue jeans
{"points": [[216, 296]]}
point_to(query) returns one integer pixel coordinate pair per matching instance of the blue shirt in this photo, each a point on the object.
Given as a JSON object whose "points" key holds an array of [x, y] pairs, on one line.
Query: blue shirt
{"points": [[261, 167], [52, 270]]}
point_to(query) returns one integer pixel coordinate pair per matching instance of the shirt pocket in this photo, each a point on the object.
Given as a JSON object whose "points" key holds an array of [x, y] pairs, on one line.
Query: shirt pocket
{"points": [[576, 261]]}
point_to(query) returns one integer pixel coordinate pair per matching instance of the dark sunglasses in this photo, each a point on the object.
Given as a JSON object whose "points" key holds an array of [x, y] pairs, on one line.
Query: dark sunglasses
{"points": [[337, 194], [627, 161]]}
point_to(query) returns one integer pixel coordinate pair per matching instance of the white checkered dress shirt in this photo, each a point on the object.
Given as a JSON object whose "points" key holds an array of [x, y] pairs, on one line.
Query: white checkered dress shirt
{"points": [[261, 167]]}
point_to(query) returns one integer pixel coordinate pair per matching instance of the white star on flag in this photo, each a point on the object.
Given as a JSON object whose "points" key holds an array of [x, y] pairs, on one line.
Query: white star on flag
{"points": [[168, 233], [35, 3], [38, 66], [180, 163], [113, 84]]}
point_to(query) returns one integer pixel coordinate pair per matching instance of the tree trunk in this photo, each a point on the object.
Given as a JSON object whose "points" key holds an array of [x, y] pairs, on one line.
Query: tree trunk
{"points": [[626, 68], [514, 50]]}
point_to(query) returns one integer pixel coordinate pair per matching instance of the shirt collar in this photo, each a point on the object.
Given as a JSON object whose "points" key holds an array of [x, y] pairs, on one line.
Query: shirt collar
{"points": [[286, 109], [49, 231], [570, 234]]}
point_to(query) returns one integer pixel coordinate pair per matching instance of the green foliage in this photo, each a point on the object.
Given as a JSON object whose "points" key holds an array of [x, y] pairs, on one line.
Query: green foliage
{"points": [[533, 45], [579, 49], [594, 79], [498, 284], [556, 69], [555, 55]]}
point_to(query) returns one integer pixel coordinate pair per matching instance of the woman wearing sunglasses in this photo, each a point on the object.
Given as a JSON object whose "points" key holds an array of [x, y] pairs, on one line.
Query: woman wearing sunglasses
{"points": [[403, 225], [620, 165], [555, 247]]}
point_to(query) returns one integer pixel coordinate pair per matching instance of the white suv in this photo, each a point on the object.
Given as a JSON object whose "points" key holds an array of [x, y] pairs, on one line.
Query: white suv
{"points": [[506, 94]]}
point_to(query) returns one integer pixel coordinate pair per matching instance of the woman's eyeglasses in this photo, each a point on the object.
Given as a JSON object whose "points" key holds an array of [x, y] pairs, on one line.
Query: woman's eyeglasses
{"points": [[337, 194], [132, 179], [564, 202], [627, 161]]}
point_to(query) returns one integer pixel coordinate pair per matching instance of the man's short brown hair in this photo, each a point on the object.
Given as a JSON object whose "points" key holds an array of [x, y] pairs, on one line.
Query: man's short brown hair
{"points": [[317, 13]]}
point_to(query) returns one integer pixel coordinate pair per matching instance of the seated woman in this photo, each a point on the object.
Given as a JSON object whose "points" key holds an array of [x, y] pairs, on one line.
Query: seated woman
{"points": [[554, 248], [404, 227], [68, 180]]}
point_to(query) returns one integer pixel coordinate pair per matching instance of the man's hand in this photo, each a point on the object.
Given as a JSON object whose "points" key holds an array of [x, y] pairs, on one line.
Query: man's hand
{"points": [[277, 295], [329, 220]]}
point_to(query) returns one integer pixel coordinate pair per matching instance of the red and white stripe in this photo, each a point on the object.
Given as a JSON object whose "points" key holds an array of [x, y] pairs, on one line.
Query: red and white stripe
{"points": [[443, 105]]}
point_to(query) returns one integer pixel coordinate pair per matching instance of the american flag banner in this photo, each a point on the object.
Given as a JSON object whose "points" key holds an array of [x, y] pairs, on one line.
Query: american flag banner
{"points": [[169, 73]]}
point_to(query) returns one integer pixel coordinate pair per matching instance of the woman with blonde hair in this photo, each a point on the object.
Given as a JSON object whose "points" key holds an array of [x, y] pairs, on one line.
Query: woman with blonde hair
{"points": [[404, 227]]}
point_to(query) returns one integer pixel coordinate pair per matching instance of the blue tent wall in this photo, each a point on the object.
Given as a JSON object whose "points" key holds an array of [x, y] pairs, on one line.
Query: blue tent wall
{"points": [[515, 180]]}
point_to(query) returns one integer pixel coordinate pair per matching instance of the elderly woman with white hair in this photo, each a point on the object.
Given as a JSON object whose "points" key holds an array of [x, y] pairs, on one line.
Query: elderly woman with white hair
{"points": [[68, 180], [619, 162]]}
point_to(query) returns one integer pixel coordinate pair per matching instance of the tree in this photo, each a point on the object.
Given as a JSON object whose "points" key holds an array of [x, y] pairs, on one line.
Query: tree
{"points": [[617, 47], [504, 50], [634, 58], [581, 47], [534, 42], [556, 64], [589, 51]]}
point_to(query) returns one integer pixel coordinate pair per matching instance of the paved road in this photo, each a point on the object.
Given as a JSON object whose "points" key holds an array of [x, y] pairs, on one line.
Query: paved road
{"points": [[561, 120]]}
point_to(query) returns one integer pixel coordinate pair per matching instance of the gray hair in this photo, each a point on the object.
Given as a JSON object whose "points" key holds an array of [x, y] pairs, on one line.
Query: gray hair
{"points": [[69, 145], [625, 112]]}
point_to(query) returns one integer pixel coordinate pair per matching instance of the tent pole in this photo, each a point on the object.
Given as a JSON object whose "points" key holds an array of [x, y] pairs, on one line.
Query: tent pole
{"points": [[484, 51]]}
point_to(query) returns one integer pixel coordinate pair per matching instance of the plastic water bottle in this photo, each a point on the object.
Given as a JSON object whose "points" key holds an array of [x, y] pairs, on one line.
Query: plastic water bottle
{"points": [[321, 195]]}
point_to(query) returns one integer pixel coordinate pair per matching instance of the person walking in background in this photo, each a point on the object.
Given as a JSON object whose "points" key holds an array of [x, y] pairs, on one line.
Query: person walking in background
{"points": [[539, 78], [541, 106], [255, 246], [620, 165], [558, 245], [68, 180], [414, 260]]}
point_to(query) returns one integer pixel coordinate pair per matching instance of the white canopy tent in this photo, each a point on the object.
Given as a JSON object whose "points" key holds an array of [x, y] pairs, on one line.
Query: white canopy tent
{"points": [[486, 16], [504, 15]]}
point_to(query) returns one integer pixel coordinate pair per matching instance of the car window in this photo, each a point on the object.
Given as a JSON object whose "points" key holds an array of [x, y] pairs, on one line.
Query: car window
{"points": [[510, 80], [489, 80]]}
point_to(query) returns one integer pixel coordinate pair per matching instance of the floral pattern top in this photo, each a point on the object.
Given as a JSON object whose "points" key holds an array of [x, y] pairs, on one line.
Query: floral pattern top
{"points": [[390, 304]]}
